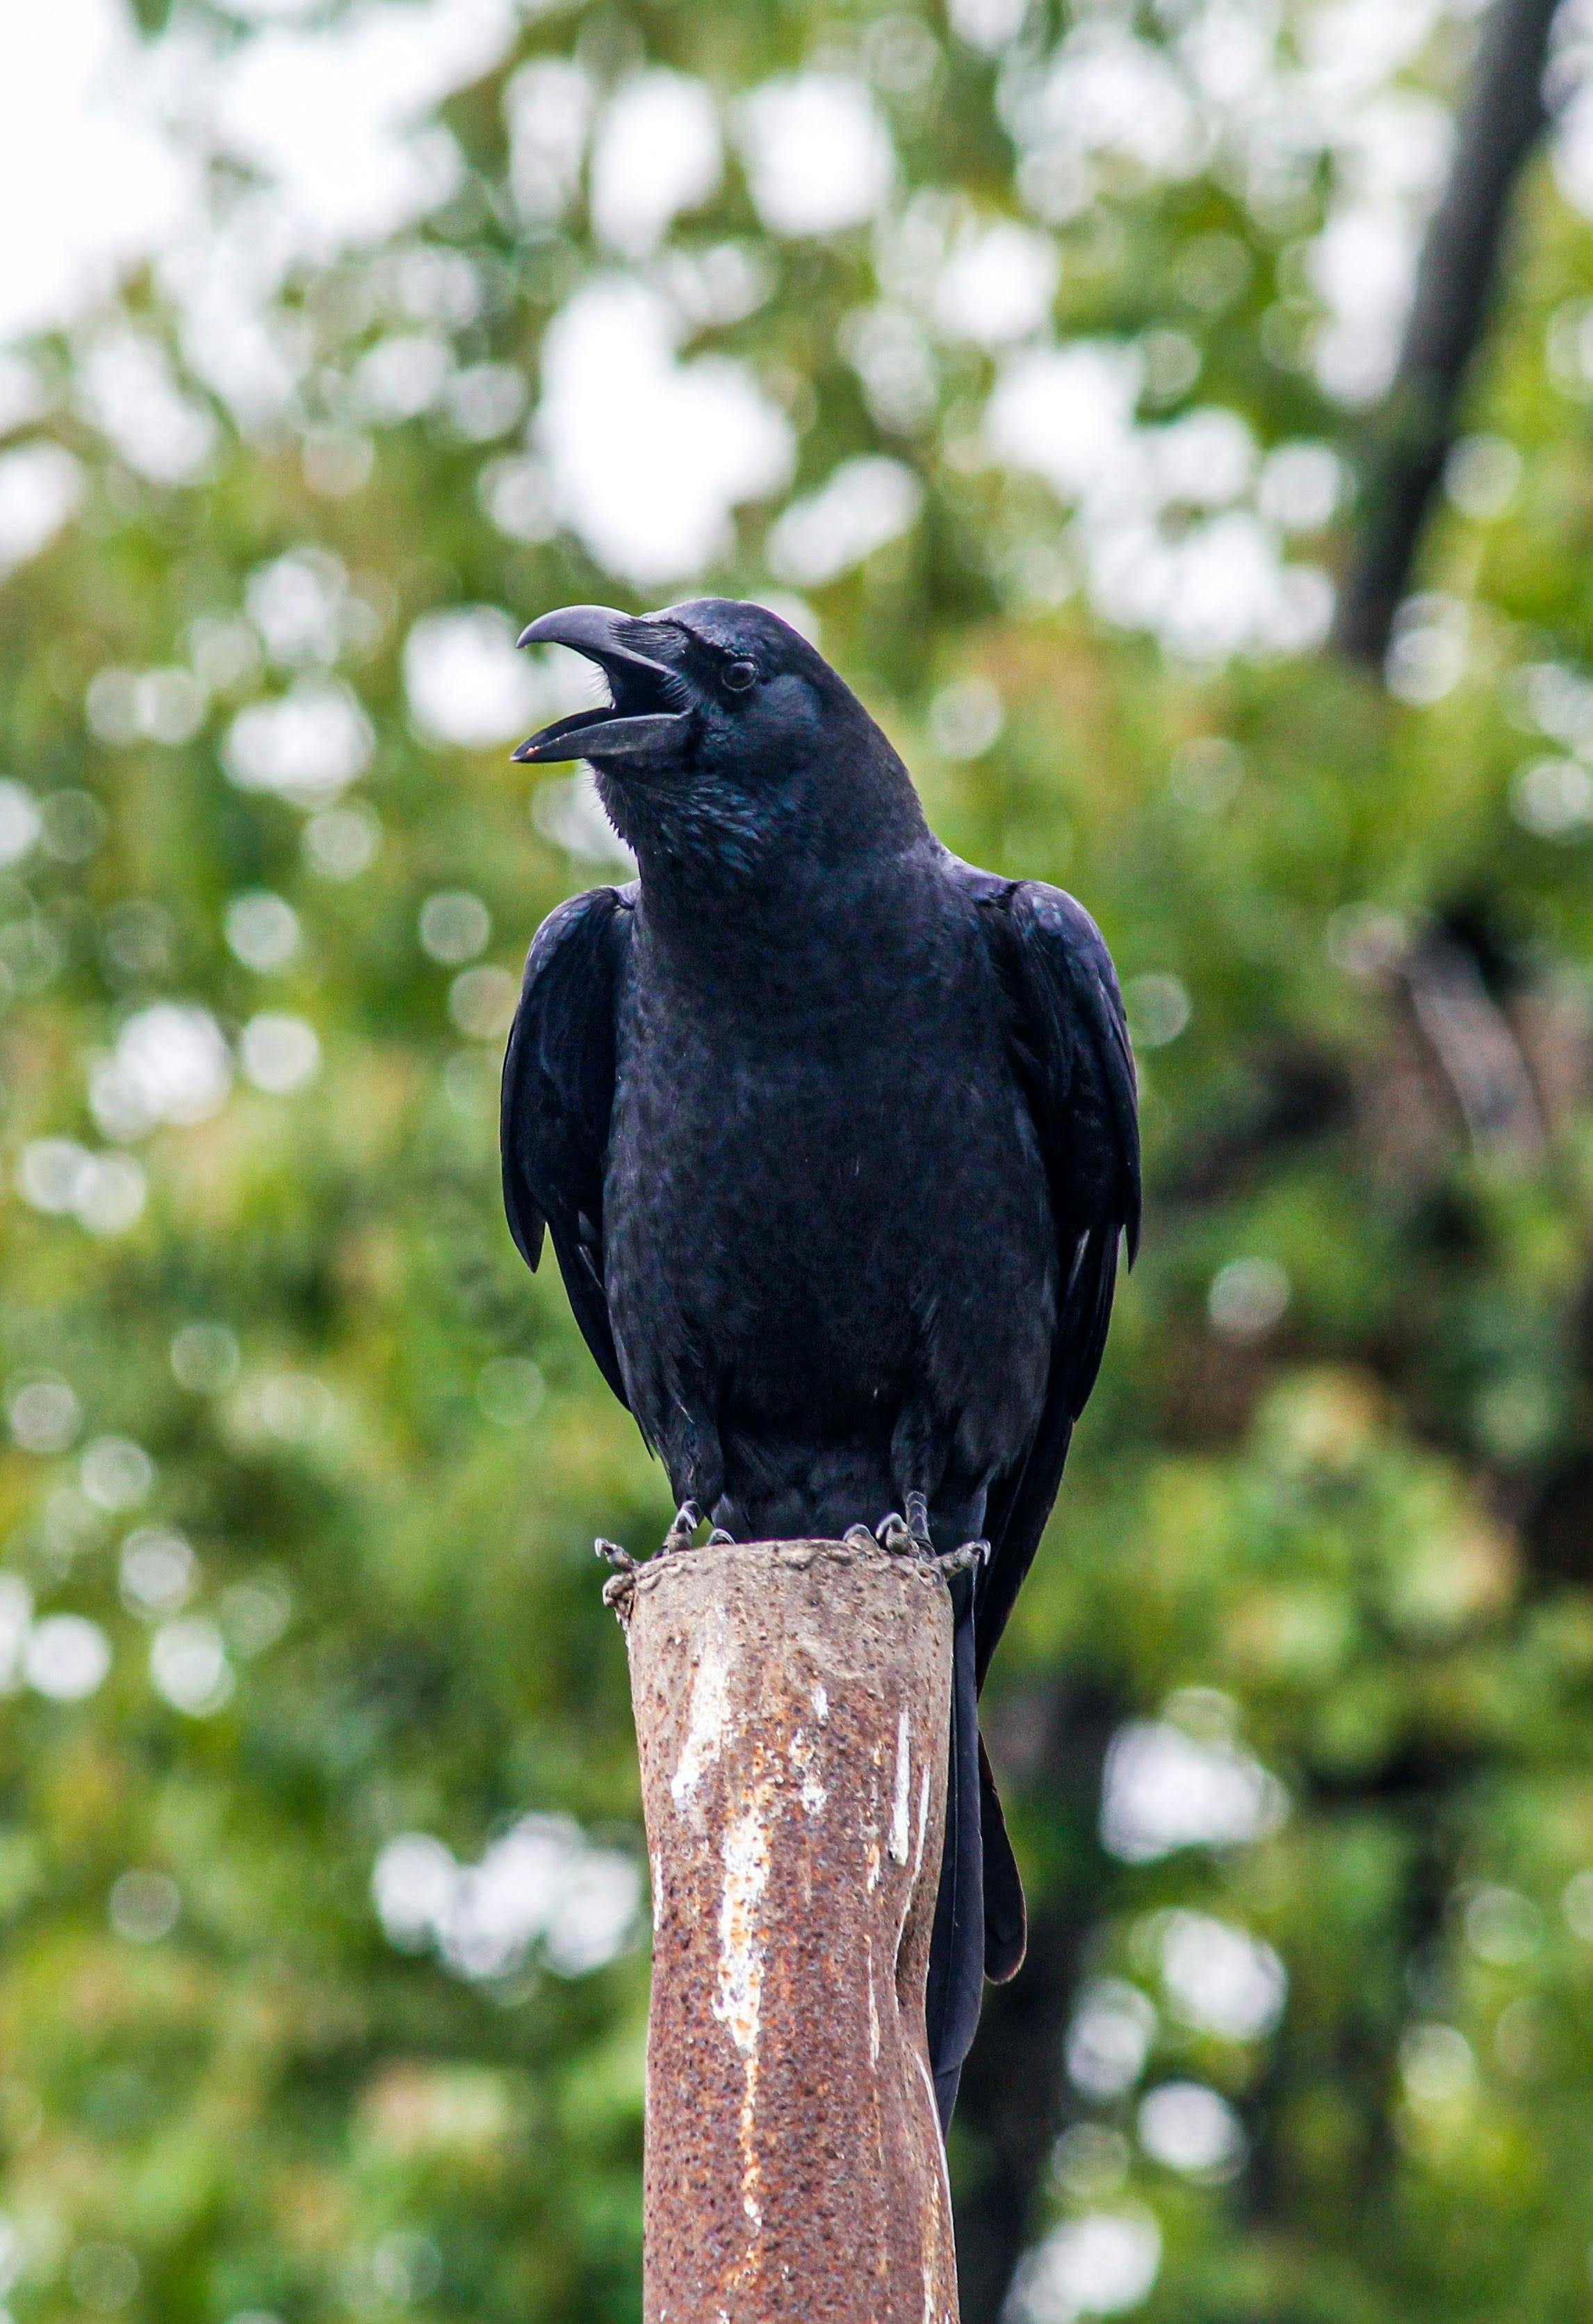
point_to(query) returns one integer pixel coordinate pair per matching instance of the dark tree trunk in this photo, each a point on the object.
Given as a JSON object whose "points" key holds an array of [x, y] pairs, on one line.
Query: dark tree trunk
{"points": [[1500, 123]]}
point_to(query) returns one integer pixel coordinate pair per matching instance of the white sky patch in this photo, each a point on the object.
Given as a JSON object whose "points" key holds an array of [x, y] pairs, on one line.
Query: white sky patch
{"points": [[1204, 460], [163, 705], [649, 454], [1100, 2264], [336, 115], [171, 1063], [658, 151], [466, 682], [1216, 590], [1109, 2038], [222, 276], [401, 376], [298, 602], [1222, 1979], [997, 284], [1362, 267], [988, 25], [124, 386], [1165, 1789], [189, 1666], [280, 1054], [1573, 152], [104, 1192], [20, 822], [547, 111], [307, 745], [1103, 92], [115, 1472], [1301, 485], [88, 184], [1211, 588], [817, 152], [17, 1614], [66, 1657], [866, 502], [455, 926], [1269, 103], [104, 141], [157, 1571], [1065, 412], [40, 486], [24, 393], [543, 1890], [1191, 2128]]}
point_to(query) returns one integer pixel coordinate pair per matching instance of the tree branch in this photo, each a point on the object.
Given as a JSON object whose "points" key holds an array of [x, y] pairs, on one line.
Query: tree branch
{"points": [[1503, 116]]}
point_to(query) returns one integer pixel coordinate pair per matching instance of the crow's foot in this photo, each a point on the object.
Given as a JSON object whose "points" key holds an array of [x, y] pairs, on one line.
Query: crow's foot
{"points": [[959, 1560], [906, 1536], [622, 1581], [719, 1539], [858, 1536], [683, 1531]]}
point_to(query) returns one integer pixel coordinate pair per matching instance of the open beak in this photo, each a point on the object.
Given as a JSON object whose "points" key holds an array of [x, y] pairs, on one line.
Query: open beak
{"points": [[636, 722]]}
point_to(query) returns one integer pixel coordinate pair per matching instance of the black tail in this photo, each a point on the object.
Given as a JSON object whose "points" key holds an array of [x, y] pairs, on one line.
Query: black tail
{"points": [[956, 1946], [978, 1913], [1006, 1921]]}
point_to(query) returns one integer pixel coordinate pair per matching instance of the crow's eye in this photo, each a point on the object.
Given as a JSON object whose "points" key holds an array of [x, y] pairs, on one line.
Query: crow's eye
{"points": [[737, 677]]}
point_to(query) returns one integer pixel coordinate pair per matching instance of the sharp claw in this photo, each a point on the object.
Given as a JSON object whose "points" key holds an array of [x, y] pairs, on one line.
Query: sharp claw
{"points": [[858, 1536], [719, 1539], [906, 1536], [615, 1555], [958, 1561], [687, 1519], [893, 1533]]}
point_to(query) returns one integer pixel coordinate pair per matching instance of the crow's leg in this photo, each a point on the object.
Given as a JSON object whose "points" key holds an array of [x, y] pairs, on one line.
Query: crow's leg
{"points": [[917, 1465], [694, 1462]]}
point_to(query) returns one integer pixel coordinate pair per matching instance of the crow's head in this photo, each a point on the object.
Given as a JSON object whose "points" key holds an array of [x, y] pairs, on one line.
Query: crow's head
{"points": [[725, 731]]}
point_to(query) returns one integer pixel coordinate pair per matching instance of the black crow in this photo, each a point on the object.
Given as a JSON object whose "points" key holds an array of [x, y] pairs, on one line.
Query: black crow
{"points": [[836, 1138]]}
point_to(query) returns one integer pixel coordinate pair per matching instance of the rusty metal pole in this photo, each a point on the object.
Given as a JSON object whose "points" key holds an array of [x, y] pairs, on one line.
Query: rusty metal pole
{"points": [[792, 1701]]}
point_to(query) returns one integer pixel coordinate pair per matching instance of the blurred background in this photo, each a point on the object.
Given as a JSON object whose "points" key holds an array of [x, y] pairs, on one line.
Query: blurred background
{"points": [[1116, 394]]}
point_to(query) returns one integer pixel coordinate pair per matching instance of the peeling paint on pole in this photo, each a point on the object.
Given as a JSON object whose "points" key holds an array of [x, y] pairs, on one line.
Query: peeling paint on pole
{"points": [[792, 1701]]}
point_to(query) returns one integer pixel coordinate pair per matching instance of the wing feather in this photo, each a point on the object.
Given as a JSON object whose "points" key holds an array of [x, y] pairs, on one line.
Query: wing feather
{"points": [[1070, 1043], [558, 1100]]}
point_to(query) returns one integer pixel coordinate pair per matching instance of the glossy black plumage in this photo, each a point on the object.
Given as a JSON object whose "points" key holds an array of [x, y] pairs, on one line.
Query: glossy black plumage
{"points": [[836, 1138]]}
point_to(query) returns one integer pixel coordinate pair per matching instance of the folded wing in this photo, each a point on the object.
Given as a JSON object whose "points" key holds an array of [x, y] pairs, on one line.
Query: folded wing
{"points": [[1070, 1048], [559, 1094]]}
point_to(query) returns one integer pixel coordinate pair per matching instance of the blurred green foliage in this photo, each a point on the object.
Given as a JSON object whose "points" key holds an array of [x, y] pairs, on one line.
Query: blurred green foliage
{"points": [[1332, 1507]]}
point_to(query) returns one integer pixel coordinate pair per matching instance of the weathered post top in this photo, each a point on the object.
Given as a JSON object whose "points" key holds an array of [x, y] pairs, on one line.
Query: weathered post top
{"points": [[792, 1703]]}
